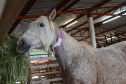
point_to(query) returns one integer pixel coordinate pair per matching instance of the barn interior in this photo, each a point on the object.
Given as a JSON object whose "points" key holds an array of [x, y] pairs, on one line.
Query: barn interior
{"points": [[73, 17]]}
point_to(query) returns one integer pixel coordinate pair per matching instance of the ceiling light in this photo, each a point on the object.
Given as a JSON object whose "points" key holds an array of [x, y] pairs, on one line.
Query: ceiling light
{"points": [[111, 19], [114, 18], [71, 23], [124, 14]]}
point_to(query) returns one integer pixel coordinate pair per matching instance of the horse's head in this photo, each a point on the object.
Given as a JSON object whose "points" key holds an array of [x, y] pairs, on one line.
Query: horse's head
{"points": [[40, 34]]}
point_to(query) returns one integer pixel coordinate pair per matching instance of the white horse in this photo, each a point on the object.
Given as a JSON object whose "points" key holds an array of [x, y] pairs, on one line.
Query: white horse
{"points": [[81, 63]]}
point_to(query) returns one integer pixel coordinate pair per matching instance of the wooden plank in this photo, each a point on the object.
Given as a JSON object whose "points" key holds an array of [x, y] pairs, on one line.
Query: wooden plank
{"points": [[45, 81], [64, 12], [46, 73], [11, 8], [43, 66], [43, 69], [29, 71], [42, 58]]}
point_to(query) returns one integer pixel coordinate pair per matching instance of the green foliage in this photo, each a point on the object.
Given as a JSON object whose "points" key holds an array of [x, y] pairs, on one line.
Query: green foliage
{"points": [[13, 66]]}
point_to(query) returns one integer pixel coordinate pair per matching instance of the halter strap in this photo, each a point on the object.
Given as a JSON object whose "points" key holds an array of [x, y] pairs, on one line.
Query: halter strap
{"points": [[35, 36], [50, 26]]}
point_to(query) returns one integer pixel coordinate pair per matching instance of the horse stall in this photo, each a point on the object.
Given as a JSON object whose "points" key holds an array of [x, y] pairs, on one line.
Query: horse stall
{"points": [[62, 42]]}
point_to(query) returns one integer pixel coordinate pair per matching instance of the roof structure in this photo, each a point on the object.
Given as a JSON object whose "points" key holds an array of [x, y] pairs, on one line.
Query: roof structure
{"points": [[109, 17]]}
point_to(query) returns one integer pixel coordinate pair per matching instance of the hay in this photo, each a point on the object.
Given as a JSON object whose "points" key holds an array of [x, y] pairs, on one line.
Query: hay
{"points": [[13, 66]]}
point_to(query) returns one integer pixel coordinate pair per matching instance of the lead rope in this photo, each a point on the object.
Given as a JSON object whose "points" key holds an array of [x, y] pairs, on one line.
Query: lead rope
{"points": [[50, 26]]}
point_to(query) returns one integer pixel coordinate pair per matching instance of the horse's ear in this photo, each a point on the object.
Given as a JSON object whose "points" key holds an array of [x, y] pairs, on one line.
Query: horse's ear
{"points": [[52, 15]]}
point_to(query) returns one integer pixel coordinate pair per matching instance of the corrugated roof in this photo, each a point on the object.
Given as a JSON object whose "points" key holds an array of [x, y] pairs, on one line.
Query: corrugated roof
{"points": [[46, 6]]}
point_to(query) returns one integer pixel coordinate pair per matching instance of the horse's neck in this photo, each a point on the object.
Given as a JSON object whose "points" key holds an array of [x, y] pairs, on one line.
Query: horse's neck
{"points": [[69, 49]]}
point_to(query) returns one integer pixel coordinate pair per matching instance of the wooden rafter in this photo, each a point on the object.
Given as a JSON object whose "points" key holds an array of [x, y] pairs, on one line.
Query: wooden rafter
{"points": [[88, 10], [62, 4], [69, 6], [104, 31], [115, 8], [27, 8], [112, 29], [59, 13], [108, 19]]}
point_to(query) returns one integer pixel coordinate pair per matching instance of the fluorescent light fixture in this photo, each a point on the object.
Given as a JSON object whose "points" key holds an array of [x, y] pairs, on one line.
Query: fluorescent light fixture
{"points": [[34, 77], [71, 23], [18, 82], [124, 14], [114, 18], [111, 19]]}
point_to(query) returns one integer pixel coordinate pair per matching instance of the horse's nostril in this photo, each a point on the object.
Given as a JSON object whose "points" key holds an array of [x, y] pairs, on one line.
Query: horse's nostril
{"points": [[23, 46], [21, 43]]}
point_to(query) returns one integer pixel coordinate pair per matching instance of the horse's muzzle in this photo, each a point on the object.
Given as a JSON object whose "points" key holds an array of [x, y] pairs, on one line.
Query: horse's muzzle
{"points": [[22, 46]]}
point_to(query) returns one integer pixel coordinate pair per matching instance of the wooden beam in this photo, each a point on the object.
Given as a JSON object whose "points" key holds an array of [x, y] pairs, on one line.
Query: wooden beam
{"points": [[72, 4], [64, 12], [114, 8], [62, 4], [42, 58], [29, 70], [41, 66], [89, 10], [25, 10], [45, 81], [68, 7], [105, 20], [85, 13], [105, 31], [86, 28], [38, 69], [112, 29], [58, 13], [12, 7], [46, 73]]}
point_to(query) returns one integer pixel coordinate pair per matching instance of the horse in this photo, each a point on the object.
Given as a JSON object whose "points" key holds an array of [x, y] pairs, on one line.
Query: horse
{"points": [[80, 62]]}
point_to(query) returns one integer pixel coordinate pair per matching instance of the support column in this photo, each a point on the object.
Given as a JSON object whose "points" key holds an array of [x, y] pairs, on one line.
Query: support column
{"points": [[92, 30]]}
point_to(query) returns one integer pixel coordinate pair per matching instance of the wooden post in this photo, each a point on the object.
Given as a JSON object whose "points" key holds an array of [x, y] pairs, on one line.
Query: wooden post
{"points": [[29, 71], [106, 39], [117, 37], [111, 37], [8, 14], [97, 43], [50, 55]]}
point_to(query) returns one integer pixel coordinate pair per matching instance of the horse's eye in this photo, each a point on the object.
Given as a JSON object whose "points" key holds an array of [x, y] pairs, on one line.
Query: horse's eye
{"points": [[41, 25]]}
